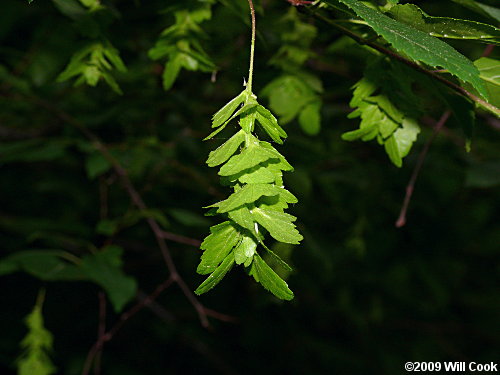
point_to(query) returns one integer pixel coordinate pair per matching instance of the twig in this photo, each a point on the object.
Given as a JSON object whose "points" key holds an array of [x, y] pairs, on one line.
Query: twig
{"points": [[410, 63], [488, 50], [421, 157], [100, 331], [104, 336], [181, 239], [137, 201]]}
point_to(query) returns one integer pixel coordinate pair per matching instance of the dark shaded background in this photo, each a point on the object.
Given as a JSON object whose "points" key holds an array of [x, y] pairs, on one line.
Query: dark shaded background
{"points": [[369, 297]]}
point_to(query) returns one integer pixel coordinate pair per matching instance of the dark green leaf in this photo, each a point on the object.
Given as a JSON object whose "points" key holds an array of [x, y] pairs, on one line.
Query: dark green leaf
{"points": [[105, 269], [418, 45], [43, 264]]}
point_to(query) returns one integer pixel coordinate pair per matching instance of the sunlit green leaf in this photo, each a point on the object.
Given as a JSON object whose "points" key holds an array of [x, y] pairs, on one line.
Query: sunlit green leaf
{"points": [[263, 274], [216, 247], [217, 275], [226, 150], [279, 224]]}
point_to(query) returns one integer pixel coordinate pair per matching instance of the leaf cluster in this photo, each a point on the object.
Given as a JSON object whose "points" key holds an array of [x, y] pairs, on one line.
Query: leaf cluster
{"points": [[36, 345], [254, 170], [296, 92], [180, 44]]}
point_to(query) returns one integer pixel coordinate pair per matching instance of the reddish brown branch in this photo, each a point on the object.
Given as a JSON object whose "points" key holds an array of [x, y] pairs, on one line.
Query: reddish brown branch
{"points": [[386, 51], [103, 336], [421, 158], [137, 200]]}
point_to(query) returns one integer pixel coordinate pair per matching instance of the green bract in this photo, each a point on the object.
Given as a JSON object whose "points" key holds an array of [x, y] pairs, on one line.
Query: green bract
{"points": [[253, 169]]}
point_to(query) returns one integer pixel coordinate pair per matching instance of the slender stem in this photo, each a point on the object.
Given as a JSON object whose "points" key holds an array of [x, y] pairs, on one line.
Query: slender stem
{"points": [[421, 158], [252, 47]]}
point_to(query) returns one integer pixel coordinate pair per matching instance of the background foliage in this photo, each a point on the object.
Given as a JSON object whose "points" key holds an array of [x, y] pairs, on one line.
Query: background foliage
{"points": [[368, 296]]}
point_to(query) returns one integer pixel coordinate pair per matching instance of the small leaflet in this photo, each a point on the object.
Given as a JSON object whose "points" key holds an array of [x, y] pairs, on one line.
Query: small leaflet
{"points": [[264, 274]]}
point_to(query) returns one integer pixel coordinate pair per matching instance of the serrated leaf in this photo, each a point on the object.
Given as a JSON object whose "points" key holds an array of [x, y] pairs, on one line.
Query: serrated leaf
{"points": [[400, 143], [445, 27], [418, 45], [391, 148], [226, 150], [279, 224], [274, 203], [104, 268], [283, 163], [245, 250], [365, 133], [251, 193], [216, 247], [251, 156], [269, 123], [264, 274], [260, 174], [227, 111], [243, 218], [310, 118], [216, 276]]}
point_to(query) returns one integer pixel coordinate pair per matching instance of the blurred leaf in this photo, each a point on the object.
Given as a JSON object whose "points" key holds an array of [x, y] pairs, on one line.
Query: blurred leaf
{"points": [[188, 218], [33, 150], [37, 345], [483, 174], [481, 8], [310, 118], [43, 264], [105, 269], [92, 63], [96, 165]]}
